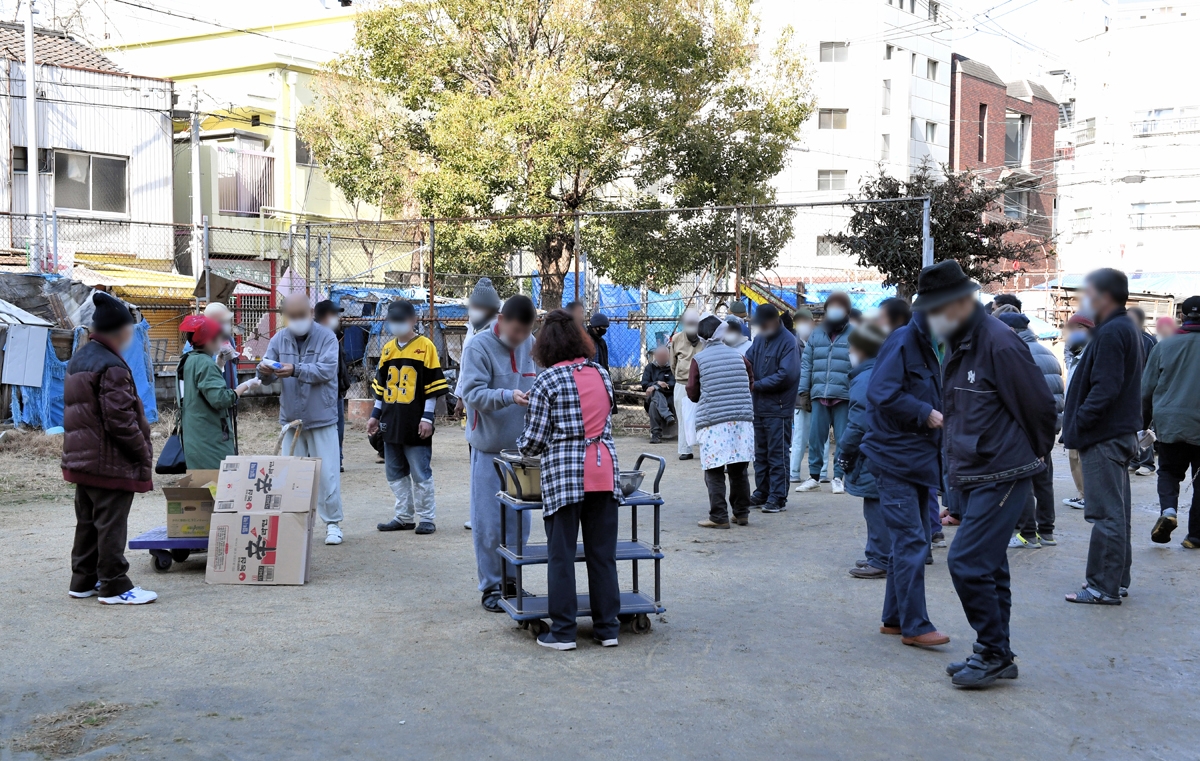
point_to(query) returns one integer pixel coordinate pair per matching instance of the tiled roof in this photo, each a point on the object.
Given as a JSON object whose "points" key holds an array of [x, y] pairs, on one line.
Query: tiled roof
{"points": [[52, 49], [1026, 90], [979, 71]]}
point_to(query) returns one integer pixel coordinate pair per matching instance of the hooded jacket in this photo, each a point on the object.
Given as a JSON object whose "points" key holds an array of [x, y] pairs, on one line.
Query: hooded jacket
{"points": [[859, 481], [825, 365], [999, 414], [775, 361]]}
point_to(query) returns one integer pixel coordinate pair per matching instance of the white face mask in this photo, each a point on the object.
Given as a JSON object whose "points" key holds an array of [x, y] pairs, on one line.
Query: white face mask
{"points": [[1085, 307], [942, 326], [399, 329], [855, 360], [300, 328], [732, 338], [835, 314], [333, 323], [691, 330], [804, 330], [477, 317]]}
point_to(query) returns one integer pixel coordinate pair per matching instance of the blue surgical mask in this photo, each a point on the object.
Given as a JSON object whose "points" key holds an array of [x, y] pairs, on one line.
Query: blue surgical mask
{"points": [[1076, 339]]}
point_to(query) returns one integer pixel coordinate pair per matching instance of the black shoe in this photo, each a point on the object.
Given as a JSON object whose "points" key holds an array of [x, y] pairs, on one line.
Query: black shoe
{"points": [[869, 572], [929, 558], [1166, 523], [510, 589], [656, 439], [687, 456], [772, 507], [957, 666], [757, 501], [861, 564], [395, 525], [426, 528], [983, 671], [491, 601]]}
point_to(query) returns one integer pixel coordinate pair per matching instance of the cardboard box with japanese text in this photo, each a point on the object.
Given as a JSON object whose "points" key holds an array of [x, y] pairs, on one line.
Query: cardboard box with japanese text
{"points": [[190, 504], [267, 484], [262, 548]]}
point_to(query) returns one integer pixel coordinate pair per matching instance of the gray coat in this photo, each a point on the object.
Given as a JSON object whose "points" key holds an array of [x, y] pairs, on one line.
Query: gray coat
{"points": [[1171, 389], [489, 375], [310, 394], [825, 365], [1051, 370], [724, 386]]}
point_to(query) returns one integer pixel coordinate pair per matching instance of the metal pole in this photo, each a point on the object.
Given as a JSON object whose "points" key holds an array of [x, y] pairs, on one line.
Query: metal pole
{"points": [[575, 255], [307, 255], [316, 289], [54, 233], [198, 224], [31, 121], [737, 255], [207, 267], [926, 238], [432, 313], [329, 257]]}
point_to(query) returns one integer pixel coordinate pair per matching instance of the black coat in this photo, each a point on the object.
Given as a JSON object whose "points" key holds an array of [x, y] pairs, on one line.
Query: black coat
{"points": [[999, 415], [343, 377], [652, 374], [601, 355], [1105, 396]]}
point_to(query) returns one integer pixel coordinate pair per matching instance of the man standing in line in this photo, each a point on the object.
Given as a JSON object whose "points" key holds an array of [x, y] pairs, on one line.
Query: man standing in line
{"points": [[1079, 333], [304, 357], [735, 337], [775, 360], [498, 371], [407, 384], [865, 343], [999, 426], [1036, 525], [825, 376], [1101, 420], [107, 455], [482, 306], [597, 327], [738, 309], [330, 315], [1170, 396], [658, 383], [802, 322], [902, 445], [684, 345]]}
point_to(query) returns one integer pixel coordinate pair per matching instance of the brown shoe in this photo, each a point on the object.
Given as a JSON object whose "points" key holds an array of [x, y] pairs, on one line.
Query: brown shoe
{"points": [[868, 572], [710, 524], [928, 639], [889, 630], [741, 520]]}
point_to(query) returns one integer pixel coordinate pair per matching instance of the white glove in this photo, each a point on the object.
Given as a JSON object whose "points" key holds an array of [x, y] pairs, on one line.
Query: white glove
{"points": [[228, 351], [245, 386]]}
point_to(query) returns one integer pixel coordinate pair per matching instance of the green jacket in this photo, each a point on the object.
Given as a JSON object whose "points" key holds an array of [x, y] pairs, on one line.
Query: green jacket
{"points": [[206, 404], [1171, 389]]}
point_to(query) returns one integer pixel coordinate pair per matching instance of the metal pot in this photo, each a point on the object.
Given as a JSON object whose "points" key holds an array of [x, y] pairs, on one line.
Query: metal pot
{"points": [[527, 471], [631, 481]]}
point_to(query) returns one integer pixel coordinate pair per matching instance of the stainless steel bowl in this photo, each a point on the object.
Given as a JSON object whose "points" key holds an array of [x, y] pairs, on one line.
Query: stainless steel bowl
{"points": [[631, 481]]}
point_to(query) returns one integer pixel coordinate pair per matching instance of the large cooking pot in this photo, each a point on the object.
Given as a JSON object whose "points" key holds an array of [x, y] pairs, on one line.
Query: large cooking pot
{"points": [[528, 473]]}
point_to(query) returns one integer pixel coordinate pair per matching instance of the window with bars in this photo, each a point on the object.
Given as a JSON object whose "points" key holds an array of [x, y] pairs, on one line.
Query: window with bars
{"points": [[832, 118], [826, 247], [831, 179], [87, 182], [249, 309]]}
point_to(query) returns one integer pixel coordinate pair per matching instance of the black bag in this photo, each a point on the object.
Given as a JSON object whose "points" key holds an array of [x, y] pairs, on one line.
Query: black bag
{"points": [[171, 461]]}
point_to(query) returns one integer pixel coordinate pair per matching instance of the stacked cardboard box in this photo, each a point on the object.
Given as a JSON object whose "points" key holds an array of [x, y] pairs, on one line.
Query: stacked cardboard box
{"points": [[262, 520], [190, 504]]}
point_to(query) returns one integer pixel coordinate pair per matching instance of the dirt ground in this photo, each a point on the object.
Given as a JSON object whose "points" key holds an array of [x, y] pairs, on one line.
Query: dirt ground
{"points": [[768, 649]]}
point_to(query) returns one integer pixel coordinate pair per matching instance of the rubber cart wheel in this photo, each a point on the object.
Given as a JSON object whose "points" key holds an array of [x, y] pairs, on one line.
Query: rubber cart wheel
{"points": [[161, 559], [538, 627], [180, 555], [641, 624]]}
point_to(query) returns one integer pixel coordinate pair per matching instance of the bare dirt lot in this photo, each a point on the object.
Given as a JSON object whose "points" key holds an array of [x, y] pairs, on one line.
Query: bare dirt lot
{"points": [[768, 648]]}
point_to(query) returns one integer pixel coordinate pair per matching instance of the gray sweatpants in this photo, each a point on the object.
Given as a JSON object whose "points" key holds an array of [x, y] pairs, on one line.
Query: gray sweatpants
{"points": [[322, 443], [1108, 508], [485, 521]]}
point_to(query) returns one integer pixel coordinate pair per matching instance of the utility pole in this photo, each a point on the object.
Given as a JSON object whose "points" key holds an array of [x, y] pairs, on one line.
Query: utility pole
{"points": [[31, 124], [926, 238], [198, 257]]}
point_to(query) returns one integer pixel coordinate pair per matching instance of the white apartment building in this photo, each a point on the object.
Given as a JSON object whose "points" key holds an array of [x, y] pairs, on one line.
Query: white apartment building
{"points": [[881, 80], [1129, 155]]}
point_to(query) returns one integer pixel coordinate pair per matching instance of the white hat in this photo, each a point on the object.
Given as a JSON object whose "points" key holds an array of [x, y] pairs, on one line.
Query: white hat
{"points": [[219, 312]]}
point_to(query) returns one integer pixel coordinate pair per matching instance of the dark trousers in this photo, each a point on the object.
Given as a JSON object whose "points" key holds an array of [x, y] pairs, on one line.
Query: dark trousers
{"points": [[1108, 508], [661, 409], [341, 431], [878, 551], [772, 458], [101, 527], [1144, 458], [935, 513], [1038, 515], [1173, 462], [739, 491], [978, 559], [904, 506], [597, 516]]}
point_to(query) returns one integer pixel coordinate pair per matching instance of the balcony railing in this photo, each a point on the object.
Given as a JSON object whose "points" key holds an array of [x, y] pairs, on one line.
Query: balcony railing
{"points": [[1171, 125], [245, 181], [1165, 220]]}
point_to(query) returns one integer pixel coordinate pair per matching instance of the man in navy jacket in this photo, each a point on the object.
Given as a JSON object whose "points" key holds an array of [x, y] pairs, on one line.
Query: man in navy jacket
{"points": [[775, 357], [999, 425]]}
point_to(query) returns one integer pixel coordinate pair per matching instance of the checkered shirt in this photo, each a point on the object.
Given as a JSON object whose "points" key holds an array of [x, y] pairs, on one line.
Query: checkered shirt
{"points": [[554, 429]]}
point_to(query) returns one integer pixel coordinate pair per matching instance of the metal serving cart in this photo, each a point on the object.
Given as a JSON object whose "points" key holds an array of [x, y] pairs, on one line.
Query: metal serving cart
{"points": [[164, 551], [636, 605]]}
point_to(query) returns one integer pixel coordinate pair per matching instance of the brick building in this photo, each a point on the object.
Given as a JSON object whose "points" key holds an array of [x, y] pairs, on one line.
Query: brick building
{"points": [[1005, 131]]}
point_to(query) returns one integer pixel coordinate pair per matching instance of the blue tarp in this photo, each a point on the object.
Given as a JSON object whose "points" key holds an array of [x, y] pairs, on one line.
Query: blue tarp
{"points": [[374, 301], [43, 407]]}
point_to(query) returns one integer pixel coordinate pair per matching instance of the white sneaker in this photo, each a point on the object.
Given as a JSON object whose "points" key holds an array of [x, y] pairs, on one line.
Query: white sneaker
{"points": [[333, 534], [467, 525], [605, 642], [1143, 471], [1075, 502], [809, 485], [135, 596], [84, 595], [838, 488]]}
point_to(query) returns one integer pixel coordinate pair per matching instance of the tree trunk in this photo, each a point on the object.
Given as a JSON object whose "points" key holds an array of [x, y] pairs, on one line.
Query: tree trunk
{"points": [[554, 261]]}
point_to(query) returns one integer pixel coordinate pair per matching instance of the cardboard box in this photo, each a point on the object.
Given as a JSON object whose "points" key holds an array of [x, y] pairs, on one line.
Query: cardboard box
{"points": [[190, 504], [263, 548], [258, 484]]}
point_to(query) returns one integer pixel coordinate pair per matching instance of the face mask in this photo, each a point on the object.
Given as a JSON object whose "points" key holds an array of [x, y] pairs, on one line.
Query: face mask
{"points": [[1077, 339], [1085, 307], [399, 329], [300, 328], [333, 323], [691, 330], [942, 326], [599, 332], [855, 360], [732, 339], [477, 317], [835, 314], [804, 330]]}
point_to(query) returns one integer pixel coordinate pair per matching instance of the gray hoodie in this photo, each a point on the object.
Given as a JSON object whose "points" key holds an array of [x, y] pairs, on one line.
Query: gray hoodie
{"points": [[489, 374], [311, 394]]}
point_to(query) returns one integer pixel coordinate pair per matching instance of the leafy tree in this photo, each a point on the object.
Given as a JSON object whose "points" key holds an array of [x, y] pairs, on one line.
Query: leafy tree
{"points": [[551, 107], [966, 220]]}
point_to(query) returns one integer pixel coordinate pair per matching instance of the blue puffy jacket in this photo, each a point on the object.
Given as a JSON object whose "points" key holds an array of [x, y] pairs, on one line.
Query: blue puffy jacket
{"points": [[906, 385], [859, 481], [825, 365], [776, 362]]}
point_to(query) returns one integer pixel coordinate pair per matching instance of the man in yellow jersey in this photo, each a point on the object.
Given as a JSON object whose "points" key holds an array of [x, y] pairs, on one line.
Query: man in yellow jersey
{"points": [[407, 384]]}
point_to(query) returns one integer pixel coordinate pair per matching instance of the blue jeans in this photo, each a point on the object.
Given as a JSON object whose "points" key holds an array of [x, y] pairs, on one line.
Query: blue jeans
{"points": [[978, 559], [879, 543], [800, 420], [772, 446], [410, 475], [822, 418], [904, 505]]}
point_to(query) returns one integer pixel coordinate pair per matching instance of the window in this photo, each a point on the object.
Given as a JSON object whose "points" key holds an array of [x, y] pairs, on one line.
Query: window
{"points": [[934, 7], [913, 69], [982, 149], [826, 247], [303, 152], [887, 97], [931, 69], [888, 50], [912, 6], [1087, 134], [831, 118], [1015, 206], [1016, 139], [91, 183], [21, 159], [834, 52], [931, 132], [885, 150], [831, 179]]}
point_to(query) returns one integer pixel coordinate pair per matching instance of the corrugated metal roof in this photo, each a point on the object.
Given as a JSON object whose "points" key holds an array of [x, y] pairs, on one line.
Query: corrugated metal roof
{"points": [[52, 49], [979, 71], [137, 286], [11, 314], [1178, 284]]}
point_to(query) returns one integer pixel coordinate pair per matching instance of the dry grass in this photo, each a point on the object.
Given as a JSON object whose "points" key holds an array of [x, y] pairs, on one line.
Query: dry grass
{"points": [[29, 466], [64, 734]]}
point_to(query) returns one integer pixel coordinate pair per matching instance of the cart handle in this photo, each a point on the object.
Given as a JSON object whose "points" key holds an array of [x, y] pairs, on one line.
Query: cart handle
{"points": [[662, 466], [506, 473], [299, 426]]}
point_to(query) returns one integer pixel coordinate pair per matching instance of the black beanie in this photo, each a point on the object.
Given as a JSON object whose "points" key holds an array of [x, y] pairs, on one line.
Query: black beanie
{"points": [[111, 314]]}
